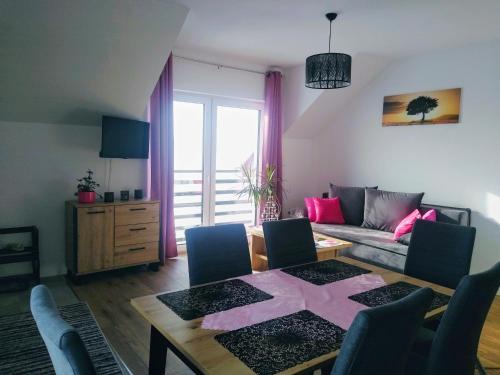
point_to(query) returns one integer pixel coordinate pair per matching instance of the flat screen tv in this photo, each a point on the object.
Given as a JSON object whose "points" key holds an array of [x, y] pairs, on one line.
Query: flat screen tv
{"points": [[124, 138]]}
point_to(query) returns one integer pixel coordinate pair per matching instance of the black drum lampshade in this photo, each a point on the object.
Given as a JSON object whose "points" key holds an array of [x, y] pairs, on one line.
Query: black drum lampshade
{"points": [[328, 70]]}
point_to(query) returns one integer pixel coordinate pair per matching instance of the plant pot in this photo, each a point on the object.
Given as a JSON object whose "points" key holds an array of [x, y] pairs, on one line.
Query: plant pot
{"points": [[86, 196]]}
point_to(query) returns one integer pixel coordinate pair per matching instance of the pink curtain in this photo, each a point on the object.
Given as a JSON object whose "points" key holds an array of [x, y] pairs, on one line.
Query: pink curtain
{"points": [[273, 129], [161, 161]]}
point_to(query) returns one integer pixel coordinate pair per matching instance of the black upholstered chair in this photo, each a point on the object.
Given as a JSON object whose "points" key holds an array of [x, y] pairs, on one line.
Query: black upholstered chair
{"points": [[65, 346], [380, 339], [439, 252], [289, 242], [452, 349], [217, 253]]}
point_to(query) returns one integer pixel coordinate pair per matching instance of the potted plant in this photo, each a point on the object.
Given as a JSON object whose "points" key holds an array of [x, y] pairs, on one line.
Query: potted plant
{"points": [[86, 188], [262, 191]]}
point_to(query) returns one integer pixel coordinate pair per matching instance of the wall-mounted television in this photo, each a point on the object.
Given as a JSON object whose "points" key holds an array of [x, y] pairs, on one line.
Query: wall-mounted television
{"points": [[124, 138]]}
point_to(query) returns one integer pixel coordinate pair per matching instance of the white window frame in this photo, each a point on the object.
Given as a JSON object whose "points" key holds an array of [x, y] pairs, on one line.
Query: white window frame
{"points": [[210, 103]]}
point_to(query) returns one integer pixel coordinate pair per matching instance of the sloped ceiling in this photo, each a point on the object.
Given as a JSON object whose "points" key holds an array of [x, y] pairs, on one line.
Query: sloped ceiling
{"points": [[307, 111], [72, 61]]}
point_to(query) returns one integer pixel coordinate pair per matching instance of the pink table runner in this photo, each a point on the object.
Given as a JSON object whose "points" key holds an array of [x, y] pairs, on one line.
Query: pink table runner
{"points": [[291, 295]]}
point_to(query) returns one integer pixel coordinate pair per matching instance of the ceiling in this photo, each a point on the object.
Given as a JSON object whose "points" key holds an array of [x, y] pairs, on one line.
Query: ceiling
{"points": [[284, 32], [72, 61]]}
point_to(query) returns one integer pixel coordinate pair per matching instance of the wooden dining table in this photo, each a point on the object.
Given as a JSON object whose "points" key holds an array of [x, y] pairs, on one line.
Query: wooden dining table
{"points": [[220, 342]]}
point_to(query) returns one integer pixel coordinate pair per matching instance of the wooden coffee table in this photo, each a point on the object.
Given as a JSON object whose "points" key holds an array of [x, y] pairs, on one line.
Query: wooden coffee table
{"points": [[259, 255]]}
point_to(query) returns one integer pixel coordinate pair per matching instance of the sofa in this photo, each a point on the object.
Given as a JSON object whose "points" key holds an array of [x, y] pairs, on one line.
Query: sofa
{"points": [[378, 246]]}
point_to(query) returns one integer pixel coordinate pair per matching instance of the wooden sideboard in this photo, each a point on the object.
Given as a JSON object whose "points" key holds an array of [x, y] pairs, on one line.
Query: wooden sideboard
{"points": [[103, 236]]}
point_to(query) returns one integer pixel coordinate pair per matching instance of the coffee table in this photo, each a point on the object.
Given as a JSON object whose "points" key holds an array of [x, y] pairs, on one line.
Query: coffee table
{"points": [[259, 255]]}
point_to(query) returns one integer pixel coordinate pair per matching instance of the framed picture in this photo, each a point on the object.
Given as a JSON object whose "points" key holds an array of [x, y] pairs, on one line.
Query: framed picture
{"points": [[422, 108]]}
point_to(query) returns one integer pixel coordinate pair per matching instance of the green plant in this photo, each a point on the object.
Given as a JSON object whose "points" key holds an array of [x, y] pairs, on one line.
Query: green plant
{"points": [[87, 183], [261, 188]]}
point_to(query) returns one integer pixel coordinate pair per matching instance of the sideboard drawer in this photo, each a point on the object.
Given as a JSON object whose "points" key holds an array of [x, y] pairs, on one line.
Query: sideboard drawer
{"points": [[135, 234], [134, 254], [137, 213]]}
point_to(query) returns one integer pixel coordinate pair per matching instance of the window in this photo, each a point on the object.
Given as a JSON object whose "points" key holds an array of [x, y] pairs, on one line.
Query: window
{"points": [[213, 138]]}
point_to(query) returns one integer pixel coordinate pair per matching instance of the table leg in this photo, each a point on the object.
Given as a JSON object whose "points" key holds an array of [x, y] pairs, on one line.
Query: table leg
{"points": [[158, 346]]}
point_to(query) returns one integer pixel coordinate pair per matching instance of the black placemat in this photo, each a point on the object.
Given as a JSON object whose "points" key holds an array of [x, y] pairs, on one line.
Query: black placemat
{"points": [[282, 343], [393, 292], [325, 272], [196, 302]]}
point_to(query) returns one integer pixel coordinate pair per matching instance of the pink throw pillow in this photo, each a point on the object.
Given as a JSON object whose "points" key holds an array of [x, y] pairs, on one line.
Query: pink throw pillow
{"points": [[328, 211], [311, 209], [406, 225], [430, 215]]}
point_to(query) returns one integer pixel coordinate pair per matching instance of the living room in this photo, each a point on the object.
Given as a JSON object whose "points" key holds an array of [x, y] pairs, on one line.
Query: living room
{"points": [[222, 90]]}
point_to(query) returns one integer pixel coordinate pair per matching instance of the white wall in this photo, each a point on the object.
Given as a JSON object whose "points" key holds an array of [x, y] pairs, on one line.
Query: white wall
{"points": [[39, 164], [453, 164], [207, 79], [298, 174]]}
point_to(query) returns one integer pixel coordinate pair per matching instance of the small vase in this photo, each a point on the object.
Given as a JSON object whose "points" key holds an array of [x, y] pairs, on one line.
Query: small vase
{"points": [[271, 210], [86, 196]]}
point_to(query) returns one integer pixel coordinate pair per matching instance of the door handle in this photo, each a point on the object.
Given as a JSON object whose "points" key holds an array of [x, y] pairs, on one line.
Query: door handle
{"points": [[136, 229], [137, 209], [95, 212]]}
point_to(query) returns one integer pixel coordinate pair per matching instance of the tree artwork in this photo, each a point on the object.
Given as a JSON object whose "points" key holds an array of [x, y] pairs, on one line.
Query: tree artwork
{"points": [[423, 105]]}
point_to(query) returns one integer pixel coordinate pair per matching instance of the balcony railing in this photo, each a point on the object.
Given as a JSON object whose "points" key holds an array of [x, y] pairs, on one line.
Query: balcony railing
{"points": [[188, 200]]}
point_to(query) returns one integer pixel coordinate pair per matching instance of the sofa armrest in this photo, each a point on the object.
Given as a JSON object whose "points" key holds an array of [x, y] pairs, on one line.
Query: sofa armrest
{"points": [[450, 215]]}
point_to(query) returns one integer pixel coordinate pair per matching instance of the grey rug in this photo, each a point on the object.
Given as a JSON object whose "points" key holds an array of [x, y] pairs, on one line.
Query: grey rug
{"points": [[22, 350]]}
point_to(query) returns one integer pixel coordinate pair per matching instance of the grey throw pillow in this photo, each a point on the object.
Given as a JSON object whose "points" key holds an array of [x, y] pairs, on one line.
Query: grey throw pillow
{"points": [[384, 210], [352, 202]]}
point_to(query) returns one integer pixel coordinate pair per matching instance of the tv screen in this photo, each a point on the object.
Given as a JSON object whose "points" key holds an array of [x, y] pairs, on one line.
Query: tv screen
{"points": [[124, 138]]}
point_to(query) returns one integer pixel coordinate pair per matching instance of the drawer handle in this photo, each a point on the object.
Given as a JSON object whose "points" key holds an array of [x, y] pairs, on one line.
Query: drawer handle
{"points": [[137, 209], [95, 212], [136, 229], [137, 248]]}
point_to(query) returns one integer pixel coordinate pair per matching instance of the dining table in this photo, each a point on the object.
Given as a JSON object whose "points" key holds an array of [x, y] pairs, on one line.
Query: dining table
{"points": [[286, 321]]}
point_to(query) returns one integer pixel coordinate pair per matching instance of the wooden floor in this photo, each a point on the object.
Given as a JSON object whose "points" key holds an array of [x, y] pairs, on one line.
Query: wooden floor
{"points": [[108, 295]]}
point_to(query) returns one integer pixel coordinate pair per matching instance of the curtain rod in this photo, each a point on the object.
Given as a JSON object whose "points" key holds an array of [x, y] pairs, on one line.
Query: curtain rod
{"points": [[219, 65]]}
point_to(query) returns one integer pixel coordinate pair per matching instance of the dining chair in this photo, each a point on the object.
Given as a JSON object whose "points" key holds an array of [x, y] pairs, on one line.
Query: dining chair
{"points": [[380, 339], [217, 253], [65, 346], [289, 242], [452, 349], [439, 252]]}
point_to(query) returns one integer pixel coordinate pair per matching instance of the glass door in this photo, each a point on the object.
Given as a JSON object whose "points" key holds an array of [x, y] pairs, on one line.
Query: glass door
{"points": [[213, 138], [237, 140], [189, 119]]}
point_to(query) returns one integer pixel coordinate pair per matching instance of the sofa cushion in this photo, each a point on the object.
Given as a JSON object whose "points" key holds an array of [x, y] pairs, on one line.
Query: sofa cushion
{"points": [[352, 202], [328, 211], [405, 239], [406, 225], [384, 210], [377, 239], [311, 210]]}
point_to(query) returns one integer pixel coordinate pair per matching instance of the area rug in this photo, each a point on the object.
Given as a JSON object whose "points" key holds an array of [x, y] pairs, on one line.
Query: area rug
{"points": [[22, 350]]}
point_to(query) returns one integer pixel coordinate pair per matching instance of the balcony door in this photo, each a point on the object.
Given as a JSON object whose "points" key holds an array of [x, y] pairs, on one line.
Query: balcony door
{"points": [[213, 138]]}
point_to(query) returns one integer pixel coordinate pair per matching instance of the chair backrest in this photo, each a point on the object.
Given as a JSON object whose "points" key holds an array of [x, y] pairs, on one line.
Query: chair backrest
{"points": [[64, 344], [380, 339], [440, 253], [217, 253], [289, 242], [454, 348]]}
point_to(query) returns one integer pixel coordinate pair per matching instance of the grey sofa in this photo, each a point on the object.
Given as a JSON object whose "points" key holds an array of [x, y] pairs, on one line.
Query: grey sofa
{"points": [[378, 247]]}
